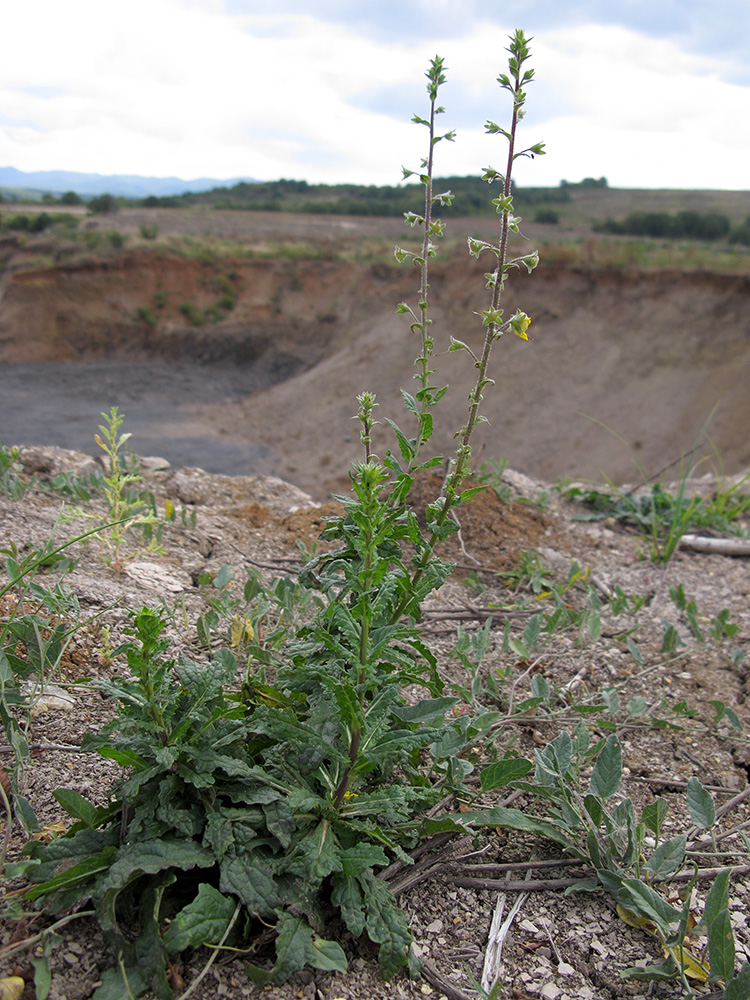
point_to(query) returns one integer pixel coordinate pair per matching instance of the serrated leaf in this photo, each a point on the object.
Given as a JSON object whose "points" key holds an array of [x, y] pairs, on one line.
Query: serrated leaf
{"points": [[607, 773], [668, 857], [700, 805], [502, 772]]}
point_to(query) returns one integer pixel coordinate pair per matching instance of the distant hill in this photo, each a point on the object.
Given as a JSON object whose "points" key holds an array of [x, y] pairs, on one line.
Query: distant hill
{"points": [[120, 185]]}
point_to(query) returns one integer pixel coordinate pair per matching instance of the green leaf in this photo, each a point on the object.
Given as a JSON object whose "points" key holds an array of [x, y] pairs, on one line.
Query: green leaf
{"points": [[739, 987], [700, 805], [721, 951], [642, 900], [25, 814], [114, 980], [405, 446], [252, 882], [202, 922], [637, 706], [661, 973], [296, 947], [42, 977], [386, 925], [223, 577], [634, 650], [126, 758], [718, 897], [427, 710], [668, 857], [721, 947], [76, 806], [347, 895], [514, 819], [317, 855], [502, 772], [653, 815], [78, 874], [607, 773]]}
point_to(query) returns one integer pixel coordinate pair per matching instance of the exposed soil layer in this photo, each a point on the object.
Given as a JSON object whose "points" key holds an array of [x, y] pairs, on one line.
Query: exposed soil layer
{"points": [[252, 365]]}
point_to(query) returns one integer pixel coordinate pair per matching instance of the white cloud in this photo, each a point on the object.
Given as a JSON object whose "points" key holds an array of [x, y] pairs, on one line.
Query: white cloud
{"points": [[180, 87]]}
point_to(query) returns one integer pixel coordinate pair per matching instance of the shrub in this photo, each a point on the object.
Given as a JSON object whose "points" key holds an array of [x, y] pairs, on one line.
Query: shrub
{"points": [[104, 204], [548, 216]]}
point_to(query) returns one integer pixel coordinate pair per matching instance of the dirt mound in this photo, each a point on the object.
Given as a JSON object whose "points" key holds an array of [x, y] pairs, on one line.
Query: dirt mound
{"points": [[648, 354]]}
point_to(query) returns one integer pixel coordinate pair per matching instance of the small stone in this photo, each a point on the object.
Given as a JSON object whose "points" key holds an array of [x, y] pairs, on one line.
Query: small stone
{"points": [[435, 927], [526, 925], [550, 991], [156, 577], [154, 463], [564, 969]]}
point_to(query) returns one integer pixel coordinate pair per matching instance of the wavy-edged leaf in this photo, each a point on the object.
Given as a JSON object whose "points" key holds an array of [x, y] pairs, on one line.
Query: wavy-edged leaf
{"points": [[251, 880], [296, 947], [202, 922], [386, 925]]}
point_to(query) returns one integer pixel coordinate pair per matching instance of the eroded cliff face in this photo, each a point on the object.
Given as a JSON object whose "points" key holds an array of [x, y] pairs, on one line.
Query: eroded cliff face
{"points": [[648, 354]]}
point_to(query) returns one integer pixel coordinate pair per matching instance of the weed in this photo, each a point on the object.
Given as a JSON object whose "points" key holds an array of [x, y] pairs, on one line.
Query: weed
{"points": [[661, 516], [590, 820], [283, 796], [127, 508], [145, 315], [192, 314], [149, 231], [116, 239], [13, 482]]}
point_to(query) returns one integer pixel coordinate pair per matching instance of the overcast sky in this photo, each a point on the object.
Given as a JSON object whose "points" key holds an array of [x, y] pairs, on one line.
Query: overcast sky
{"points": [[648, 93]]}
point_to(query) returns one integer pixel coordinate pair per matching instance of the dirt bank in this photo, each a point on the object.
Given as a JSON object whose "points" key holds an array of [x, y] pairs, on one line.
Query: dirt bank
{"points": [[284, 346]]}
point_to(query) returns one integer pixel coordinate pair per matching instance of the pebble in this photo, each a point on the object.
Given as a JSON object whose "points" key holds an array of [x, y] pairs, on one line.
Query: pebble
{"points": [[550, 991]]}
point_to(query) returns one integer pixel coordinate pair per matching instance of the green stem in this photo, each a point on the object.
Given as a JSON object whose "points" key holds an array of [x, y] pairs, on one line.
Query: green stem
{"points": [[463, 452]]}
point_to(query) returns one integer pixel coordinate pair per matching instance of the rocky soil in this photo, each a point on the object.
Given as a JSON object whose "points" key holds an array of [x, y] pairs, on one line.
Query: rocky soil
{"points": [[561, 946]]}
